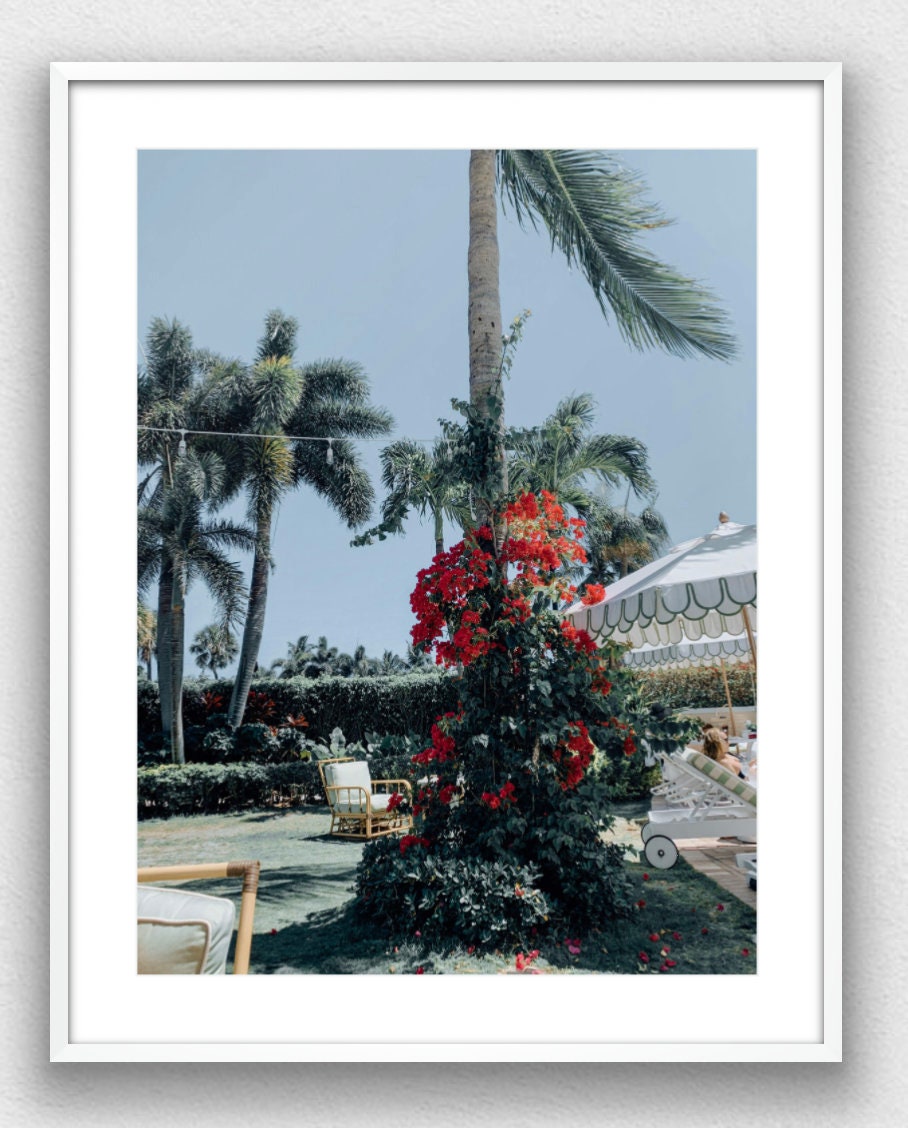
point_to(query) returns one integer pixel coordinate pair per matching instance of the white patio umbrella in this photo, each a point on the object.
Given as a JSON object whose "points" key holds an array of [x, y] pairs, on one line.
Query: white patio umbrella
{"points": [[680, 655], [703, 588], [707, 652]]}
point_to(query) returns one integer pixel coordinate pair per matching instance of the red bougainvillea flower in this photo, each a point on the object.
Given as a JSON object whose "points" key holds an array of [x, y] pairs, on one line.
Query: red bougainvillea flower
{"points": [[646, 877], [573, 946], [447, 794], [641, 904], [643, 957], [745, 951], [395, 800], [670, 963], [274, 932], [420, 971], [409, 840], [704, 931], [676, 936], [655, 937], [491, 800], [522, 962], [720, 908], [595, 593]]}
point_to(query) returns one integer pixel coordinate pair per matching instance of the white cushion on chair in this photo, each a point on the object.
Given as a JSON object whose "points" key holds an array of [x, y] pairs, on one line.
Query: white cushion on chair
{"points": [[351, 773], [183, 933], [352, 803]]}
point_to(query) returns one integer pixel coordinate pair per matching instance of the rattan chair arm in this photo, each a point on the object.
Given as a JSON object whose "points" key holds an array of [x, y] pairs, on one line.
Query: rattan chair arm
{"points": [[405, 784]]}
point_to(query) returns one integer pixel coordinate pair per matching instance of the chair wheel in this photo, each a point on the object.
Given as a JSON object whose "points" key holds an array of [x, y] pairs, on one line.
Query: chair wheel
{"points": [[647, 831], [660, 851]]}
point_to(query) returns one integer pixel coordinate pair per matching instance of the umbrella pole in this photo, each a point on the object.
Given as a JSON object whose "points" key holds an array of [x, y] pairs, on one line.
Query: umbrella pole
{"points": [[750, 636], [731, 712]]}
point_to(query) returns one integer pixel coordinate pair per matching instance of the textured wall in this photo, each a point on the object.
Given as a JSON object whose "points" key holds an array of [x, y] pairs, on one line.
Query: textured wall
{"points": [[870, 39]]}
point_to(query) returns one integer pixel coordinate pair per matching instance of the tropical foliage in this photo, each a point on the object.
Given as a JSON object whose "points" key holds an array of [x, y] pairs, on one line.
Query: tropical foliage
{"points": [[308, 414], [564, 458], [178, 541], [214, 648], [189, 471], [394, 705], [146, 636]]}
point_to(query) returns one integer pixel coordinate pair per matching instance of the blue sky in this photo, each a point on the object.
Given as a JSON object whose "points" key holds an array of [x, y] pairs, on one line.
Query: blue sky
{"points": [[367, 249]]}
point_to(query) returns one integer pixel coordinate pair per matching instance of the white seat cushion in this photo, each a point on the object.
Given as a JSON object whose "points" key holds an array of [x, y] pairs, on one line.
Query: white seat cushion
{"points": [[183, 933], [352, 803]]}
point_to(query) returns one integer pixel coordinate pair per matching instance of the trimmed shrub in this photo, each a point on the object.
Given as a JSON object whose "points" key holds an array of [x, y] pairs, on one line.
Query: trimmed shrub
{"points": [[206, 789], [398, 704], [699, 687], [488, 904]]}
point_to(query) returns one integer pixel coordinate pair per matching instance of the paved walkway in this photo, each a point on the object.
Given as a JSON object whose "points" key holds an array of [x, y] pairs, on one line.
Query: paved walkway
{"points": [[713, 857]]}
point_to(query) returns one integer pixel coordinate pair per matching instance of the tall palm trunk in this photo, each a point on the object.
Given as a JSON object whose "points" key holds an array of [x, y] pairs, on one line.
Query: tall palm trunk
{"points": [[255, 623], [178, 645], [165, 651], [484, 305], [148, 662], [439, 532]]}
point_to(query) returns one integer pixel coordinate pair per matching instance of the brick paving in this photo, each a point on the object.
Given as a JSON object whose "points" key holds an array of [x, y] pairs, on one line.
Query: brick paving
{"points": [[713, 857]]}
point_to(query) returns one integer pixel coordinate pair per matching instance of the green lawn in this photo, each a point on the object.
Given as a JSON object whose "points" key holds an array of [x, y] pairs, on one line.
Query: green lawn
{"points": [[304, 922]]}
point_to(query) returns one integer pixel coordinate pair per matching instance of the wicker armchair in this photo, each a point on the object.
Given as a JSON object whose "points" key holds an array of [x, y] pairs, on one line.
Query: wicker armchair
{"points": [[358, 803]]}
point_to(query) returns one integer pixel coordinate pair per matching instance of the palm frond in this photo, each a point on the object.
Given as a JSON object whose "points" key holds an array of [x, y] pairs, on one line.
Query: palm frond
{"points": [[595, 211], [278, 337], [275, 387], [345, 485], [334, 379]]}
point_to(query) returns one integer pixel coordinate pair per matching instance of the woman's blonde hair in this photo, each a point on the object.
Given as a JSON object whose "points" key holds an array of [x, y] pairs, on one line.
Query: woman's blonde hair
{"points": [[713, 744]]}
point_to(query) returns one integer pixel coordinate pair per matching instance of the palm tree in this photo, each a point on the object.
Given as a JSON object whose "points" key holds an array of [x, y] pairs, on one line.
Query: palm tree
{"points": [[146, 635], [391, 663], [326, 399], [425, 481], [323, 659], [299, 656], [178, 544], [563, 457], [594, 211], [165, 402], [619, 541], [214, 648], [352, 665]]}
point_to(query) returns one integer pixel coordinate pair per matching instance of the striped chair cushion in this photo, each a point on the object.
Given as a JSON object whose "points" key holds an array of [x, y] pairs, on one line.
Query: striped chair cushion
{"points": [[721, 775]]}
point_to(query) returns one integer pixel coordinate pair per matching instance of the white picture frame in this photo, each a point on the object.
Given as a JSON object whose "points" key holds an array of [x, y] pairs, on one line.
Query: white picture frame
{"points": [[101, 114]]}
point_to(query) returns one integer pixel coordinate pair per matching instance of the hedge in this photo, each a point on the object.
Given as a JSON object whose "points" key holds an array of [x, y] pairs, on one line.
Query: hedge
{"points": [[194, 789], [207, 789], [396, 704], [699, 687]]}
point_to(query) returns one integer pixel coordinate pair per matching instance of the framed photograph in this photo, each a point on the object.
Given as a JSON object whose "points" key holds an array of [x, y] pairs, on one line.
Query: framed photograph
{"points": [[309, 264]]}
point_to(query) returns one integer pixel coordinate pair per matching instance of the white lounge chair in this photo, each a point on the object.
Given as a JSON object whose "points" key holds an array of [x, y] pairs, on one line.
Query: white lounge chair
{"points": [[702, 800]]}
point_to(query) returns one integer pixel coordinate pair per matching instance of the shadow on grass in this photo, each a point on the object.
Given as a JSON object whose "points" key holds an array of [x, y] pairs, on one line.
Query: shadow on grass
{"points": [[330, 942], [682, 923]]}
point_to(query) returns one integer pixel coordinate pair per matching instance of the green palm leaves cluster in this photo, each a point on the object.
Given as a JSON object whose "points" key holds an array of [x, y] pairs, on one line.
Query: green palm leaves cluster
{"points": [[305, 659], [594, 211], [187, 482]]}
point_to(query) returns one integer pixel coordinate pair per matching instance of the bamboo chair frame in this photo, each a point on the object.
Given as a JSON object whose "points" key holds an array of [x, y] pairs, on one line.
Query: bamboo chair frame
{"points": [[366, 822], [248, 871]]}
